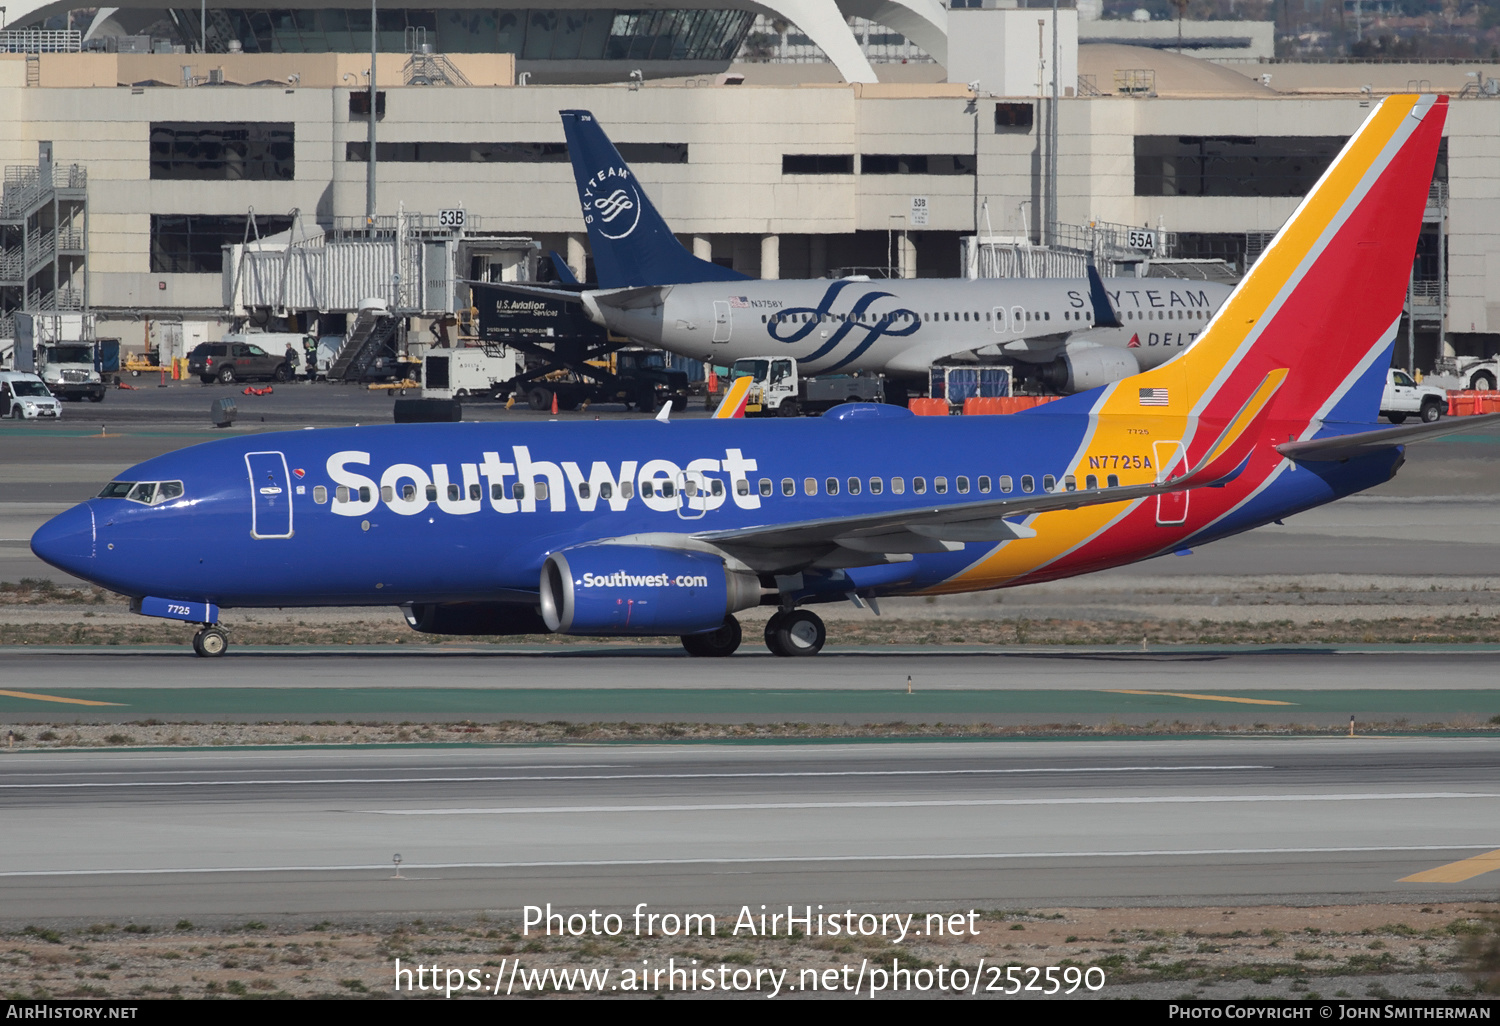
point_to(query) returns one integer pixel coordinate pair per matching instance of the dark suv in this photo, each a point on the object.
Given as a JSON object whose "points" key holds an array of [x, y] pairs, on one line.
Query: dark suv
{"points": [[236, 361]]}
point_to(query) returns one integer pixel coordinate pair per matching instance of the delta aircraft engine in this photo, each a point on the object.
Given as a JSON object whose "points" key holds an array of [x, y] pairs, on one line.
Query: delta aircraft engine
{"points": [[1081, 368], [639, 589]]}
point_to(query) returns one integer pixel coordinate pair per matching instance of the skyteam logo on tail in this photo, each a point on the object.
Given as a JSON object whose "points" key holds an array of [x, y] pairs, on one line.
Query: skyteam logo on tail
{"points": [[611, 197]]}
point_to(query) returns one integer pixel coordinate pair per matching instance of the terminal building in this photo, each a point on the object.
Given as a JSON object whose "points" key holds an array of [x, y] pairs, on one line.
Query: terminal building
{"points": [[142, 143]]}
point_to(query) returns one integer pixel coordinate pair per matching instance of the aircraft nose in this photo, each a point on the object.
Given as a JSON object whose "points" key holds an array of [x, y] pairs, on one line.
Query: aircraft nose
{"points": [[67, 541]]}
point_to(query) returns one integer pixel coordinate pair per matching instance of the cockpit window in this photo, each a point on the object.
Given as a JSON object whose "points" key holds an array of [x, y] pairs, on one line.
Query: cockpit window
{"points": [[149, 493]]}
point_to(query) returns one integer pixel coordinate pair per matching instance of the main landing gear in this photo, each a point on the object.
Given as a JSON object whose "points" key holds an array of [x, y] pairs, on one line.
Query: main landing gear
{"points": [[721, 642], [798, 632], [211, 642]]}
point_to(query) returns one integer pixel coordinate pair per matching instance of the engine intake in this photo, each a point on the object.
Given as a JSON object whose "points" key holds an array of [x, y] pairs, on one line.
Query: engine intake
{"points": [[638, 589]]}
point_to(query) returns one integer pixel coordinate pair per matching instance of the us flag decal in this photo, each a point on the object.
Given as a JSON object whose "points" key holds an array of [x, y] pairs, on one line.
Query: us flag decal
{"points": [[1153, 397]]}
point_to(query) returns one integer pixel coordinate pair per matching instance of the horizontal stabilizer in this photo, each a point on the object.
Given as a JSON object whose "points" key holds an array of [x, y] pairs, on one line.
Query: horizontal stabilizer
{"points": [[1361, 443]]}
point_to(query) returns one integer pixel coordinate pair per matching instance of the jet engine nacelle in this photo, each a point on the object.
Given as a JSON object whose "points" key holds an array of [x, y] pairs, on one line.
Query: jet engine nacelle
{"points": [[474, 618], [638, 589], [1082, 368]]}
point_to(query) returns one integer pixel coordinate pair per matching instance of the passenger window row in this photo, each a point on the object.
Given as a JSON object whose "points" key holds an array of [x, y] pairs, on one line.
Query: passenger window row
{"points": [[962, 485]]}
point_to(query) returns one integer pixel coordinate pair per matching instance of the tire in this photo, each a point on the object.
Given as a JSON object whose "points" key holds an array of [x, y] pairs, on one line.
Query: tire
{"points": [[211, 642], [226, 375], [1431, 413], [645, 400], [798, 633], [96, 397], [135, 374], [1483, 382], [721, 642], [789, 408], [539, 399], [15, 413], [1396, 418], [282, 375]]}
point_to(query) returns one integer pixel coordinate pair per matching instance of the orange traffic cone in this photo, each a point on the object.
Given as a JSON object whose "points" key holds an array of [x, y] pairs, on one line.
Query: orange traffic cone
{"points": [[554, 404]]}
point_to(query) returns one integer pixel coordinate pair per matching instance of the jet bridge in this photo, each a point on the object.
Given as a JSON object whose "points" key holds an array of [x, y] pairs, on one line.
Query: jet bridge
{"points": [[371, 282]]}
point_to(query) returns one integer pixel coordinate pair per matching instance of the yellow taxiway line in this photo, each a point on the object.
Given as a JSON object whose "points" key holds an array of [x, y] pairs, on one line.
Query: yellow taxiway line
{"points": [[54, 698], [1202, 698], [1458, 872]]}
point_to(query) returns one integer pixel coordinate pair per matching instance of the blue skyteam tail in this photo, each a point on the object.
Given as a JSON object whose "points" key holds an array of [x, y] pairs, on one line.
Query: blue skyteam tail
{"points": [[632, 244]]}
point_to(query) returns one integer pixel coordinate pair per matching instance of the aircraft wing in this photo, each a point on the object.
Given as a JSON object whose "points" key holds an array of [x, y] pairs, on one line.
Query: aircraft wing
{"points": [[878, 537], [1361, 443]]}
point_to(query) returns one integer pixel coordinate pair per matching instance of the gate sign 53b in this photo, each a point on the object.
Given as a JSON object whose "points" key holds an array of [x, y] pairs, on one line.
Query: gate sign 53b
{"points": [[453, 218]]}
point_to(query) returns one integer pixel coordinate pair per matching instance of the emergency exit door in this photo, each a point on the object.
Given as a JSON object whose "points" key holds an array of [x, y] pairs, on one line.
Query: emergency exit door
{"points": [[270, 495]]}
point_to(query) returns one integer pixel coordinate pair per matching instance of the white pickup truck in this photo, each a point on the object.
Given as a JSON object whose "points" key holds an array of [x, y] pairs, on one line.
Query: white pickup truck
{"points": [[1404, 397]]}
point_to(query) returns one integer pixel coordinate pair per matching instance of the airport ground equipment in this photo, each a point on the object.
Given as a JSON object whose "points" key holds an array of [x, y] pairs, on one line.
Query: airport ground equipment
{"points": [[1477, 373], [467, 371], [959, 383], [569, 357], [1405, 398], [670, 528], [777, 390], [71, 369]]}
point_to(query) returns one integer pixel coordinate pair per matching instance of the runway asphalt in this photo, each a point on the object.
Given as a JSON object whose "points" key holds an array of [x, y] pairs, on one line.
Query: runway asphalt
{"points": [[153, 836]]}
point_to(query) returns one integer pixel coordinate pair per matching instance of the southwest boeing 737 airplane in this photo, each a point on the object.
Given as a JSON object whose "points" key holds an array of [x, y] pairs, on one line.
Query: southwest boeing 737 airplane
{"points": [[1076, 333], [662, 528]]}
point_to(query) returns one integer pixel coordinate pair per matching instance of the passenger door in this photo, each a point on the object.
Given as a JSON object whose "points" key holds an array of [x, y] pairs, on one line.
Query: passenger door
{"points": [[723, 324], [270, 495]]}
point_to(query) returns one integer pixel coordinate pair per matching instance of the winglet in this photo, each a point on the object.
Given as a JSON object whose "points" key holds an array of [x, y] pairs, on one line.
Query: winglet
{"points": [[665, 416], [733, 403], [1104, 312], [561, 268]]}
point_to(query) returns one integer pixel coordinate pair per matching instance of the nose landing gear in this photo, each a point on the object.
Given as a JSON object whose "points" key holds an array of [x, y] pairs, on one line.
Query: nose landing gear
{"points": [[211, 642]]}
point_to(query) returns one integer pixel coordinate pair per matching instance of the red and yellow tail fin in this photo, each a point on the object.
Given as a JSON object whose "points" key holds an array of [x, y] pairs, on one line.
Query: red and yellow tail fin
{"points": [[733, 404], [1324, 299]]}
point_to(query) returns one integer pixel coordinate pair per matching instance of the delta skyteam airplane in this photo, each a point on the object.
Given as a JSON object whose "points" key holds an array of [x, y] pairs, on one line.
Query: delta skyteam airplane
{"points": [[670, 528], [1076, 333]]}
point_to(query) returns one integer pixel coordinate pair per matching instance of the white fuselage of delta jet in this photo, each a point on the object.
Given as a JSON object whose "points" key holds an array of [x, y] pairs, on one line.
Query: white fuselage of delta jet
{"points": [[903, 326]]}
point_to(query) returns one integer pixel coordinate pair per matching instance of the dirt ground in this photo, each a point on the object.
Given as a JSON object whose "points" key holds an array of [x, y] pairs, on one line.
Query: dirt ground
{"points": [[29, 734], [1357, 951]]}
